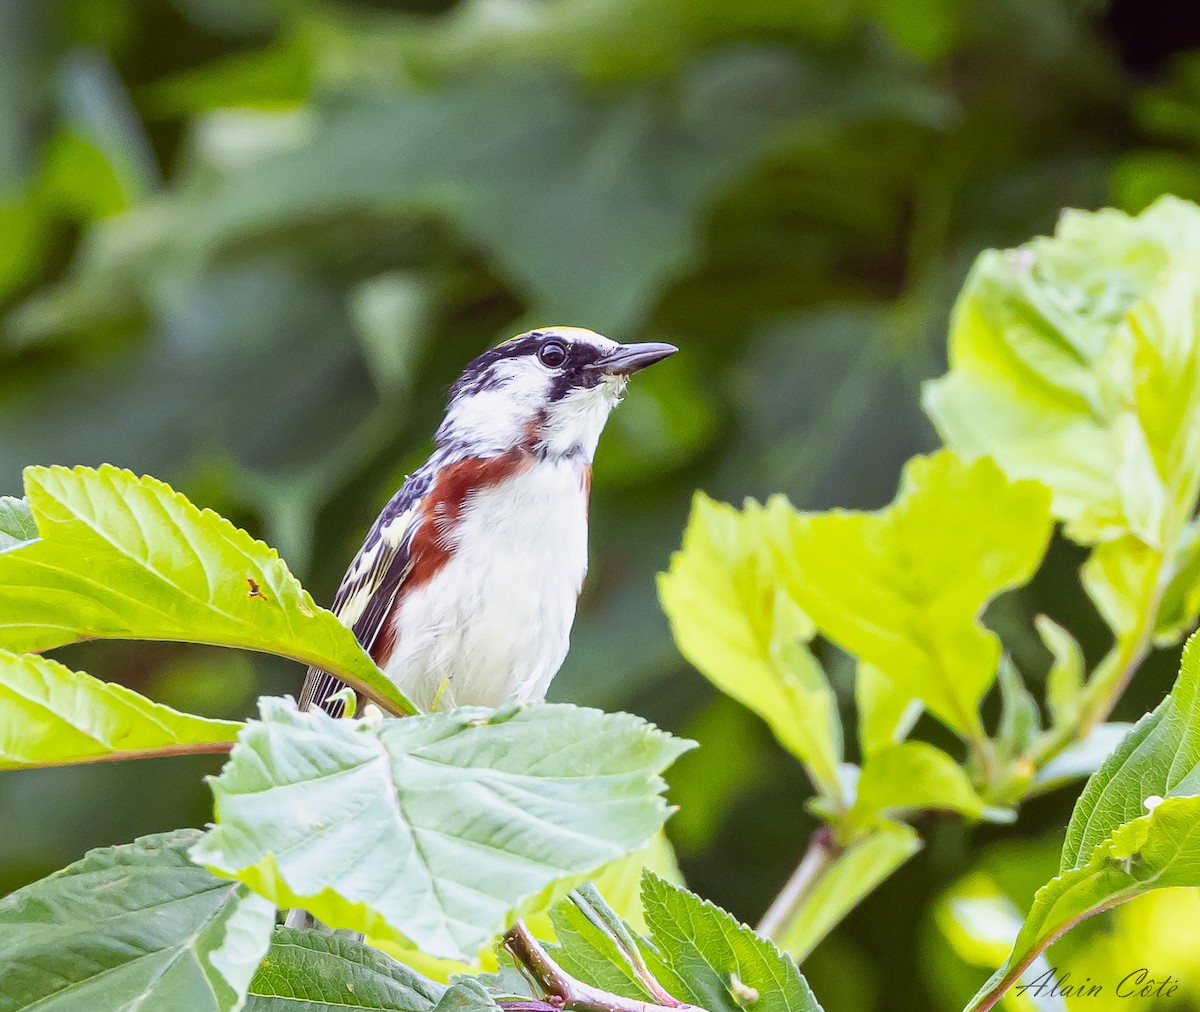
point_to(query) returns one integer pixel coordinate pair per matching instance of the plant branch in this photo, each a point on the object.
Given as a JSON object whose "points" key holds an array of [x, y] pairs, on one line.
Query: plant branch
{"points": [[822, 851], [562, 991]]}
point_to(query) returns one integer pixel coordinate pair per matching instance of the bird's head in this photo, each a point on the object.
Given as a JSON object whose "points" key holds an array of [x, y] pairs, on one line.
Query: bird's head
{"points": [[548, 390]]}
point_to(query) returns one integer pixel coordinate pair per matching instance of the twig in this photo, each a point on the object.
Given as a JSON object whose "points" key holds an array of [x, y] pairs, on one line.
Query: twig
{"points": [[822, 851], [562, 991]]}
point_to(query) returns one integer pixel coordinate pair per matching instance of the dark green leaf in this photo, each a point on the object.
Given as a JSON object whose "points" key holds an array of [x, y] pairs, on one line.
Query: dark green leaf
{"points": [[309, 971], [132, 927]]}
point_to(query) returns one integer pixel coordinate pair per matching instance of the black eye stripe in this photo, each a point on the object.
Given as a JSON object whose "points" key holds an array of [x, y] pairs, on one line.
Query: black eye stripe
{"points": [[480, 373]]}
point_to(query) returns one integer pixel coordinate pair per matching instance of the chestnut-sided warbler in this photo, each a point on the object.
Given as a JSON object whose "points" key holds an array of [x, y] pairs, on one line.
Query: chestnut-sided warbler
{"points": [[464, 591]]}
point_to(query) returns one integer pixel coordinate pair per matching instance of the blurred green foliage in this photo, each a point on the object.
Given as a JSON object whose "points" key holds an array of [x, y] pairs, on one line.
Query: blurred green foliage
{"points": [[247, 244]]}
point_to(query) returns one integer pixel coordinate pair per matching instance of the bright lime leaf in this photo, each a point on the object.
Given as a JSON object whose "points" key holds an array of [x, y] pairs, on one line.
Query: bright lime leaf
{"points": [[1073, 360], [137, 926], [435, 830], [1020, 718], [53, 716], [702, 956], [122, 557], [16, 522], [902, 588], [916, 776], [1121, 577], [1160, 756], [734, 621], [1156, 851], [1064, 681], [853, 875], [307, 971], [1181, 599], [885, 712]]}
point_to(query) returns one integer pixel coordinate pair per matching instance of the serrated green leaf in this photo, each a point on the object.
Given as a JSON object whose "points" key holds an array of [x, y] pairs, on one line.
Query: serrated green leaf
{"points": [[122, 557], [596, 946], [53, 716], [886, 713], [1073, 361], [735, 623], [1064, 681], [16, 522], [854, 874], [914, 775], [902, 588], [980, 923], [1157, 851], [703, 956], [435, 830], [132, 927], [309, 971], [1160, 756]]}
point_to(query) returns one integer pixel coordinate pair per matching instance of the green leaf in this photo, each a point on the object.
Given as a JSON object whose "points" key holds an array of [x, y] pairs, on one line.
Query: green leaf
{"points": [[122, 557], [1073, 361], [132, 927], [1020, 719], [853, 875], [1114, 851], [916, 776], [886, 713], [309, 971], [734, 621], [980, 923], [902, 588], [16, 522], [704, 957], [1160, 756], [596, 946], [53, 716], [1181, 599], [1064, 681], [1157, 851], [434, 830]]}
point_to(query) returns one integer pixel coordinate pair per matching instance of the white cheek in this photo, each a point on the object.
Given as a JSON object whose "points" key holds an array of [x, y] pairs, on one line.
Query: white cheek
{"points": [[496, 419]]}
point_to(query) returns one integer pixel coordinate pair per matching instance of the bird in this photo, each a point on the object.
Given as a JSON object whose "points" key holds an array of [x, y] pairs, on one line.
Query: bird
{"points": [[465, 588]]}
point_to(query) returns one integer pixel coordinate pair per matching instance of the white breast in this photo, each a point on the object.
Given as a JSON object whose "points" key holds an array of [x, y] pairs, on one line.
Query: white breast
{"points": [[492, 626]]}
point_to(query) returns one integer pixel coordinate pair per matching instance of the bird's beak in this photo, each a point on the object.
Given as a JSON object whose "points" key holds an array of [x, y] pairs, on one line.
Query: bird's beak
{"points": [[629, 358]]}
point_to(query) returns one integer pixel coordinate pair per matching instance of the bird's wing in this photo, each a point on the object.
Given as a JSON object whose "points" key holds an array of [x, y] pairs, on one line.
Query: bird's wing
{"points": [[368, 591]]}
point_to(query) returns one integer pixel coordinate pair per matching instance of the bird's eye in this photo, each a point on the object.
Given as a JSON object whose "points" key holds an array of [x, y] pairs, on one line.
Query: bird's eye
{"points": [[552, 354]]}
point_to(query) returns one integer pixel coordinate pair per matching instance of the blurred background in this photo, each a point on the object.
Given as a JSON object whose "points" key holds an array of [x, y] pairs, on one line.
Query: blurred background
{"points": [[246, 245]]}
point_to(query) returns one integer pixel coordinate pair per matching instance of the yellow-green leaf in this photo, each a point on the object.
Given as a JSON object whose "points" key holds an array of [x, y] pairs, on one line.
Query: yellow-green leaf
{"points": [[122, 557], [903, 588], [53, 716], [733, 619], [1073, 360], [914, 775]]}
